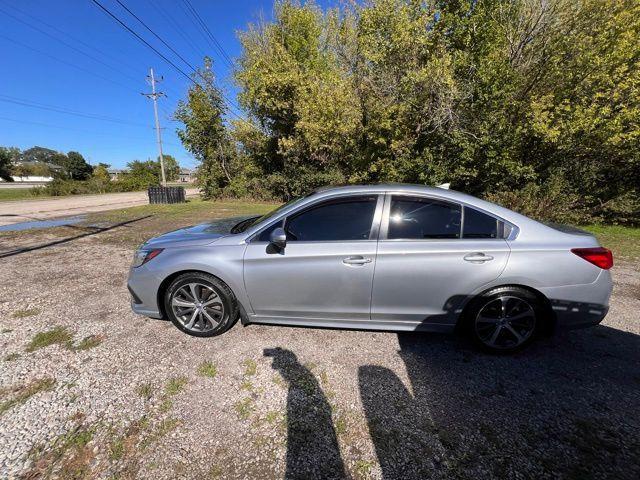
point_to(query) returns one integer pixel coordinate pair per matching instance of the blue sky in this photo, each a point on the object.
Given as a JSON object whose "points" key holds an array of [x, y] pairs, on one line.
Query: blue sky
{"points": [[107, 79]]}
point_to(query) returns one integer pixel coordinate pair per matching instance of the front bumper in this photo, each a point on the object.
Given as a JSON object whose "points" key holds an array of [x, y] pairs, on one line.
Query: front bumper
{"points": [[143, 287]]}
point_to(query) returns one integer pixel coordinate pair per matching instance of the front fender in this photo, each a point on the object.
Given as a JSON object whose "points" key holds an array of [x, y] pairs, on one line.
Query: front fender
{"points": [[222, 261]]}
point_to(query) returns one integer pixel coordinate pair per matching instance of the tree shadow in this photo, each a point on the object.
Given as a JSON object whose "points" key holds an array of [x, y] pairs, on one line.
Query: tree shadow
{"points": [[566, 408], [312, 444], [92, 230]]}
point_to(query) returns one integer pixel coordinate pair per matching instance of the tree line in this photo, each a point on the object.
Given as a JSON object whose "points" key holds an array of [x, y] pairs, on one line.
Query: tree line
{"points": [[72, 174], [534, 104]]}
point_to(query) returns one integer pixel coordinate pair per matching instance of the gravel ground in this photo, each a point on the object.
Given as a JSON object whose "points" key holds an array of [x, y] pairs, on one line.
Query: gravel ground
{"points": [[120, 396]]}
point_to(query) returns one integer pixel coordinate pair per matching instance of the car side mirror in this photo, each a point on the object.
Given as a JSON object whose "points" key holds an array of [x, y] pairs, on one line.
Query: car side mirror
{"points": [[278, 238]]}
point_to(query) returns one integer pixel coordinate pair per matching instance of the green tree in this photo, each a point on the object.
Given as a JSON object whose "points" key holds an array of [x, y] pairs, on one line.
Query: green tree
{"points": [[495, 96], [171, 168], [38, 154], [76, 167], [141, 175], [204, 134], [7, 158], [100, 173]]}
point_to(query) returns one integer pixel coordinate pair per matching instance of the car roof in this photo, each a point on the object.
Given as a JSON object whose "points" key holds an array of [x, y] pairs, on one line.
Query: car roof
{"points": [[438, 192]]}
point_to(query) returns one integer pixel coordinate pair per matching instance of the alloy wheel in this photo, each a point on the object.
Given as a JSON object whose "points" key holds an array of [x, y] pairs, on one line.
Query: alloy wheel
{"points": [[505, 322], [198, 307]]}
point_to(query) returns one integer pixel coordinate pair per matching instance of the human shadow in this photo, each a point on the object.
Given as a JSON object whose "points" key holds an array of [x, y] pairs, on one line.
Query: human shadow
{"points": [[312, 444], [564, 408]]}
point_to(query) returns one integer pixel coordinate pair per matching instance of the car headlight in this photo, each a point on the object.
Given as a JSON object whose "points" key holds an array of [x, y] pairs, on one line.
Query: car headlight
{"points": [[143, 255]]}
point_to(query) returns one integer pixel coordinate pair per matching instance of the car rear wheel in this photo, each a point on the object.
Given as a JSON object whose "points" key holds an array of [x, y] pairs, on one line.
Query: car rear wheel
{"points": [[505, 319], [200, 304]]}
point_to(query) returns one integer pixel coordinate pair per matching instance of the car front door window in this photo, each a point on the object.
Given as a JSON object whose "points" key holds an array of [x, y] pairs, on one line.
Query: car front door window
{"points": [[345, 219]]}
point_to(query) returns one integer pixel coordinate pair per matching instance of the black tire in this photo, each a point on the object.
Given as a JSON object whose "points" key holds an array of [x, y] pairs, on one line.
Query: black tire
{"points": [[518, 315], [207, 283]]}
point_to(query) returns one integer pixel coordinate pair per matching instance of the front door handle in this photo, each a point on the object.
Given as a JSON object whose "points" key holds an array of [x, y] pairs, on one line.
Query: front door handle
{"points": [[477, 257], [357, 260]]}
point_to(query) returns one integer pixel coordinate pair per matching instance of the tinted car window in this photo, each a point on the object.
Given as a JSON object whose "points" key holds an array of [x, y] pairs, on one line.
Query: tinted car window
{"points": [[340, 219], [423, 218], [479, 225]]}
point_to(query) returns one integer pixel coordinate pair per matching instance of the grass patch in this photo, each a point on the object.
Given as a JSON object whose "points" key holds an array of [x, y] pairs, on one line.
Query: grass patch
{"points": [[624, 242], [59, 335], [250, 367], [30, 312], [165, 427], [272, 416], [207, 369], [363, 468], [166, 405], [11, 357], [145, 391], [116, 449], [70, 456], [169, 217], [87, 343], [12, 194], [175, 385], [244, 408], [20, 394]]}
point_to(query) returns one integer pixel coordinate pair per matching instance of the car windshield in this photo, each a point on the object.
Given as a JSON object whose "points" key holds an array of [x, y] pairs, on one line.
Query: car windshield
{"points": [[250, 222]]}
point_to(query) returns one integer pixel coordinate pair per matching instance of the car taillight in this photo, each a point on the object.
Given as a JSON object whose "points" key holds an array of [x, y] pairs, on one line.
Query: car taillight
{"points": [[599, 256]]}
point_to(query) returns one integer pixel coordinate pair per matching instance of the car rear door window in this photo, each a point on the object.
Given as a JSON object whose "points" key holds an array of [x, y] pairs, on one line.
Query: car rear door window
{"points": [[479, 225], [346, 219], [423, 218]]}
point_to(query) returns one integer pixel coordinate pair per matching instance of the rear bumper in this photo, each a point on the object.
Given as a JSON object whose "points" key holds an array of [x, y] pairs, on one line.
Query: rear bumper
{"points": [[571, 316], [579, 306]]}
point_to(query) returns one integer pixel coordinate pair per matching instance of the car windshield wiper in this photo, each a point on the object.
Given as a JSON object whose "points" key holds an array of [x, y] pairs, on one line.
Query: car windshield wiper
{"points": [[244, 224]]}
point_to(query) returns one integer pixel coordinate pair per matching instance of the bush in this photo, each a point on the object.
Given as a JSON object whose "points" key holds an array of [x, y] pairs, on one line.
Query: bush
{"points": [[59, 187], [553, 201]]}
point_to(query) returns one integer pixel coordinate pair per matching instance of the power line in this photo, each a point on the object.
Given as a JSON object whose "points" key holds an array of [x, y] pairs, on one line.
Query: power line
{"points": [[104, 9], [204, 27], [75, 39], [155, 34], [49, 125], [126, 27], [66, 111], [170, 48], [90, 72], [176, 27], [66, 44]]}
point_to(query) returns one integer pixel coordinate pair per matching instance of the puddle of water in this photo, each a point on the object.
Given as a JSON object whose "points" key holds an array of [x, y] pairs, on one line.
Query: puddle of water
{"points": [[31, 225]]}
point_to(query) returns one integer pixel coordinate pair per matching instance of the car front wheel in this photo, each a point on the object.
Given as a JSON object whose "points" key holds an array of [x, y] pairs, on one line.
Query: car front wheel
{"points": [[200, 304]]}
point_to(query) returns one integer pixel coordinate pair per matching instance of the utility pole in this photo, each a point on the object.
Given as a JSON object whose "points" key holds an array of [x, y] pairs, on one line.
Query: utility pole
{"points": [[154, 96]]}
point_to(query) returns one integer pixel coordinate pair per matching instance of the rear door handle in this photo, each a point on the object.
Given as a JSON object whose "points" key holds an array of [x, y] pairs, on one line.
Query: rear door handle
{"points": [[478, 257], [357, 260]]}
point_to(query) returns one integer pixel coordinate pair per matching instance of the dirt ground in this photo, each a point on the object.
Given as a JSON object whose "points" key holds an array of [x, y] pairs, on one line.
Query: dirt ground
{"points": [[90, 390]]}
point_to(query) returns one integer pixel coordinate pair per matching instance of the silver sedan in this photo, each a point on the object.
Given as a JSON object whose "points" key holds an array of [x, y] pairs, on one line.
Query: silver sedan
{"points": [[386, 257]]}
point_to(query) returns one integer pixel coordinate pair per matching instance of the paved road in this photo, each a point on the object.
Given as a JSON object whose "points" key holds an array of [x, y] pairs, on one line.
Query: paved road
{"points": [[26, 210]]}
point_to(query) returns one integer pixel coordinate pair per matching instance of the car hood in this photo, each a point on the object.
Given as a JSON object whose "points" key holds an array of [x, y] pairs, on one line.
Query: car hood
{"points": [[201, 234]]}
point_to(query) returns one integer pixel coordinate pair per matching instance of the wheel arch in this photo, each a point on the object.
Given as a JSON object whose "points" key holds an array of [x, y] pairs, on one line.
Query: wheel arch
{"points": [[549, 318], [162, 289]]}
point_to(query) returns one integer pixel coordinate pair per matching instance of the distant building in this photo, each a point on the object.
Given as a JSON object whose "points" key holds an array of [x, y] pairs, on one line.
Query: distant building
{"points": [[187, 175], [34, 171], [115, 173]]}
